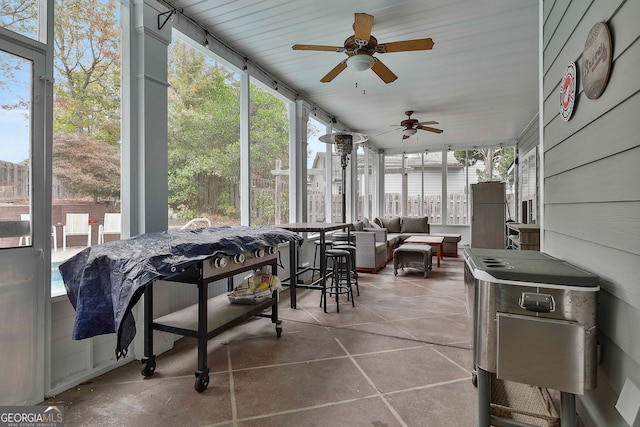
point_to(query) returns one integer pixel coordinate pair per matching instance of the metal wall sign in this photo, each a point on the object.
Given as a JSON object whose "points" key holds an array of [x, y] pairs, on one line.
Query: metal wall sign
{"points": [[596, 60], [568, 92]]}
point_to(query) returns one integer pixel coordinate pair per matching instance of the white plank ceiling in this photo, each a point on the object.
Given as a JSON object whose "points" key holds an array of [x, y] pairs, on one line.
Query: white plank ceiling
{"points": [[479, 82]]}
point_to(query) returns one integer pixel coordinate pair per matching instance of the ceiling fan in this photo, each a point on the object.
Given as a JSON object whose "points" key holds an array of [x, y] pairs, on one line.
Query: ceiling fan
{"points": [[360, 48], [411, 126]]}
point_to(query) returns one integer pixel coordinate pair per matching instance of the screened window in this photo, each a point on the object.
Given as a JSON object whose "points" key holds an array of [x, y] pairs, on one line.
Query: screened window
{"points": [[15, 150], [316, 172], [457, 184], [21, 16], [204, 138], [393, 168], [269, 154], [86, 124]]}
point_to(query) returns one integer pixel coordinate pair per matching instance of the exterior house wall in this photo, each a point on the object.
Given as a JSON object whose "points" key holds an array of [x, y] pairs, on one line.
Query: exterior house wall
{"points": [[529, 173], [591, 212]]}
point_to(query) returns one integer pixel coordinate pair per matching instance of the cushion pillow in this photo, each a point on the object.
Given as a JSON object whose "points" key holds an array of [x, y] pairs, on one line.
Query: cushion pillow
{"points": [[374, 225], [366, 222], [359, 226], [414, 224], [391, 224]]}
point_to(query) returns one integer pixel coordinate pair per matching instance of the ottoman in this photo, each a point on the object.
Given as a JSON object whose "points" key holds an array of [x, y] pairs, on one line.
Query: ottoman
{"points": [[413, 256], [450, 244]]}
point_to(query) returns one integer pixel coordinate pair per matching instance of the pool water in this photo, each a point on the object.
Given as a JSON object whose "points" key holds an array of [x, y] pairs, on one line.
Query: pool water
{"points": [[57, 284]]}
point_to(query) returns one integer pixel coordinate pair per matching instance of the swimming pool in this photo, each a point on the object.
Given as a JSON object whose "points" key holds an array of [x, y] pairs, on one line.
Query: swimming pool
{"points": [[57, 284]]}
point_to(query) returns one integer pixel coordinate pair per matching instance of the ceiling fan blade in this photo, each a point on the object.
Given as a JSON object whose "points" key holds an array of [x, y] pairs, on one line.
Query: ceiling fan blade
{"points": [[317, 47], [333, 73], [392, 130], [383, 72], [430, 129], [362, 26], [405, 46], [428, 123]]}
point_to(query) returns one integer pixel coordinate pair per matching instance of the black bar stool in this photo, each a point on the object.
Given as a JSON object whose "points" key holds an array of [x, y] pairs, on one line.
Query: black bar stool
{"points": [[351, 247], [327, 245], [340, 277]]}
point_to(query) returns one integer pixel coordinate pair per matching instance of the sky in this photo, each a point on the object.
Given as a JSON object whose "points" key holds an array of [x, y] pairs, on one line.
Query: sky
{"points": [[14, 122], [14, 135]]}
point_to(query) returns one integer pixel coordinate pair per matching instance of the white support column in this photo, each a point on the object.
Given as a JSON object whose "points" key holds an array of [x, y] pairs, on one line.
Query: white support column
{"points": [[328, 216], [445, 196], [298, 163], [144, 120], [381, 177], [245, 154], [421, 210], [405, 186], [145, 189], [366, 185]]}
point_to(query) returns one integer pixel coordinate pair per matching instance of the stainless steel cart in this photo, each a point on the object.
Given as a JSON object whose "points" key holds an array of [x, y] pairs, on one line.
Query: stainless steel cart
{"points": [[533, 319]]}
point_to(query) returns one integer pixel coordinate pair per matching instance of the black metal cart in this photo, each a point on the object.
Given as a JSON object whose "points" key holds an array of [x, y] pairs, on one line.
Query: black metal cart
{"points": [[209, 316]]}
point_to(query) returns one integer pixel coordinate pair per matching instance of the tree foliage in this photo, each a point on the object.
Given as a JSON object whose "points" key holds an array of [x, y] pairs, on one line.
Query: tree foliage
{"points": [[86, 90], [204, 132], [19, 15], [86, 166], [501, 158], [87, 69]]}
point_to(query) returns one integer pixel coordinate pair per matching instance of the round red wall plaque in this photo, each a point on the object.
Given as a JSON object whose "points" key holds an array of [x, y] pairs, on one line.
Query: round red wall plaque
{"points": [[568, 91]]}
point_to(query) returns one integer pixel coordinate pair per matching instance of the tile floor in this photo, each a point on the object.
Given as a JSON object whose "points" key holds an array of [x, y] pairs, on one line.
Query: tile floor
{"points": [[401, 357]]}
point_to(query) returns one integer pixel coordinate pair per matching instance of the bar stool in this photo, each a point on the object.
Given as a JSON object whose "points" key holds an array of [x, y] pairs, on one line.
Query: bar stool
{"points": [[345, 245], [327, 245], [340, 277]]}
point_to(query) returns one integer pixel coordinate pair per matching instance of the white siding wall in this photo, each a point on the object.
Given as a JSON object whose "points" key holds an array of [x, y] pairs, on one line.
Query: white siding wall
{"points": [[529, 140], [591, 207]]}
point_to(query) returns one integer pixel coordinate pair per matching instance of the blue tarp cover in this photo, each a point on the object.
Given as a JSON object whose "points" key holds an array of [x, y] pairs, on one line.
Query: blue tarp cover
{"points": [[105, 281]]}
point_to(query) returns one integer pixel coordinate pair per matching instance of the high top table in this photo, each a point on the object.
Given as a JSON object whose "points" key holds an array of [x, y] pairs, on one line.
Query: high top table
{"points": [[320, 284]]}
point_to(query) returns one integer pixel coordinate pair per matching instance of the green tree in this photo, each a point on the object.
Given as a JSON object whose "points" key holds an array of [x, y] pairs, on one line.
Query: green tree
{"points": [[500, 157], [269, 132], [87, 69], [204, 129], [86, 89], [19, 16], [204, 134]]}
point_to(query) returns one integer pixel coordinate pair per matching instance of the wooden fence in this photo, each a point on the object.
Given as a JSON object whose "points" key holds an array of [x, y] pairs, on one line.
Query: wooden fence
{"points": [[14, 183], [457, 208]]}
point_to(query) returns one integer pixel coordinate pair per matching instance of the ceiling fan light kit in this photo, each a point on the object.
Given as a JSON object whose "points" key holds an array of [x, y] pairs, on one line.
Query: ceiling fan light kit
{"points": [[360, 49], [410, 131], [360, 62]]}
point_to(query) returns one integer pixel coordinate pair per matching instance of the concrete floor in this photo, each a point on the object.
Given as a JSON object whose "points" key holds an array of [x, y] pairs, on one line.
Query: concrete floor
{"points": [[401, 357]]}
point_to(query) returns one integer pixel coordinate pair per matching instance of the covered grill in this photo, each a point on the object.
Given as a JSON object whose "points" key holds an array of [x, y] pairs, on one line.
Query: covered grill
{"points": [[533, 321]]}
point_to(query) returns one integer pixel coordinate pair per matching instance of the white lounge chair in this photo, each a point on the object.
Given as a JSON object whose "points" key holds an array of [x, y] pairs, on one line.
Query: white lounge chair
{"points": [[26, 240], [112, 225], [77, 224], [197, 223]]}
